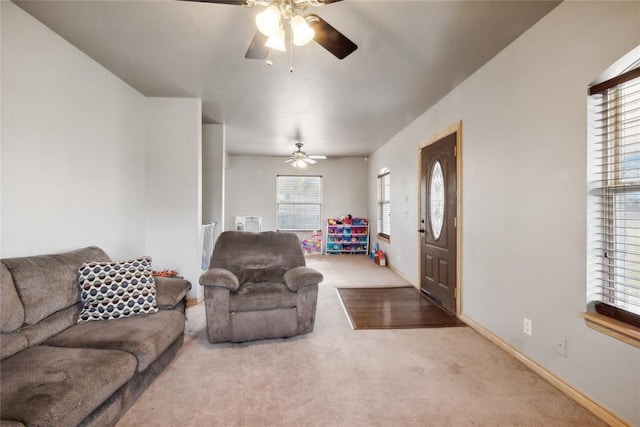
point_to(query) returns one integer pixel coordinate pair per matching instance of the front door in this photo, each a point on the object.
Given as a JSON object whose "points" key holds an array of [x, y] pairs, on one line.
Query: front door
{"points": [[438, 184]]}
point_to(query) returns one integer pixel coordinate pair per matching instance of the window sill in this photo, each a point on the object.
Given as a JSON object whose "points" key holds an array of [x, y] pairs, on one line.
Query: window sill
{"points": [[384, 237], [622, 331]]}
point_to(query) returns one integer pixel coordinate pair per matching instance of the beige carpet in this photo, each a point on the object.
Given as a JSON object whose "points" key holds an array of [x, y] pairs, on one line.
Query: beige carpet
{"points": [[337, 376]]}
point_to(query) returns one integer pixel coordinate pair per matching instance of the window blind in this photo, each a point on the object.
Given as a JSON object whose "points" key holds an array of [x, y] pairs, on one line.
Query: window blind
{"points": [[616, 188], [384, 204], [299, 202]]}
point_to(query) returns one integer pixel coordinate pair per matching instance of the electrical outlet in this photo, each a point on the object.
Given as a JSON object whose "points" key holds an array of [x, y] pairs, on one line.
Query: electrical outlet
{"points": [[528, 327], [561, 347]]}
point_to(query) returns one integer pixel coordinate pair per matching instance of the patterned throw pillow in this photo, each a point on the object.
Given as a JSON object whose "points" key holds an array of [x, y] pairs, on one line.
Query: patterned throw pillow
{"points": [[112, 290]]}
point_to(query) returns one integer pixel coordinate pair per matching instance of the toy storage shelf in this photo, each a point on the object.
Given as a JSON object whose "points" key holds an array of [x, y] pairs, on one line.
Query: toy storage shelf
{"points": [[347, 239]]}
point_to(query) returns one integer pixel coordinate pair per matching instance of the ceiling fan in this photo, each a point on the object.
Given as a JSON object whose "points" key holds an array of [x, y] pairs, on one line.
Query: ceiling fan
{"points": [[280, 16], [299, 159]]}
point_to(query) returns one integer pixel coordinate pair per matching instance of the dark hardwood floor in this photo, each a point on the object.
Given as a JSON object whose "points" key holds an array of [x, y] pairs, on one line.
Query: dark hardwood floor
{"points": [[393, 308]]}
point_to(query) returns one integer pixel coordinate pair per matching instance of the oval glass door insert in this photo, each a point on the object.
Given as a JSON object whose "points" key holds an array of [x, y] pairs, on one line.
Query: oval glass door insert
{"points": [[436, 200]]}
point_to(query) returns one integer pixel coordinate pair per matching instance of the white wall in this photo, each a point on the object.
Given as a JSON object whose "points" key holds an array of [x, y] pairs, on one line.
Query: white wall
{"points": [[251, 187], [524, 134], [73, 154], [402, 163], [174, 187], [213, 176], [87, 160]]}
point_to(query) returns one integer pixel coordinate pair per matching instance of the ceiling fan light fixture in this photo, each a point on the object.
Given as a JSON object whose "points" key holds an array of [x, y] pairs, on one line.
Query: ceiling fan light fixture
{"points": [[268, 21], [302, 32], [299, 158], [299, 164], [277, 41]]}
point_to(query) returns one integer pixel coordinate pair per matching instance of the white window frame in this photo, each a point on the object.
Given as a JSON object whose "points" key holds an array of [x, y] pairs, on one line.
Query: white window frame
{"points": [[614, 194], [298, 203], [384, 203]]}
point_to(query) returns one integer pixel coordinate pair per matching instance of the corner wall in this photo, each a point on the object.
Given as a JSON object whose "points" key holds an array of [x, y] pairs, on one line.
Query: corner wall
{"points": [[213, 176], [73, 147], [173, 190], [524, 144], [88, 160]]}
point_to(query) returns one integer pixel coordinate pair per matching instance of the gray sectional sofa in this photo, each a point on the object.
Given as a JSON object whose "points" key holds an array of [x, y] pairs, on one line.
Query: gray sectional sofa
{"points": [[57, 372]]}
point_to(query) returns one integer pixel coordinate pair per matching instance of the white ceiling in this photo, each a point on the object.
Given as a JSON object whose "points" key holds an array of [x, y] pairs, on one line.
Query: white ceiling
{"points": [[410, 54]]}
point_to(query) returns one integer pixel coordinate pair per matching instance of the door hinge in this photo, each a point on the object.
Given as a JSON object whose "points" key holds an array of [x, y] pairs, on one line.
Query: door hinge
{"points": [[455, 221], [455, 151]]}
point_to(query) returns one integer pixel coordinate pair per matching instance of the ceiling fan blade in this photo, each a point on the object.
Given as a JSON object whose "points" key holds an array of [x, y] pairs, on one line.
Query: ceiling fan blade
{"points": [[231, 2], [331, 39], [309, 160], [257, 49], [289, 160]]}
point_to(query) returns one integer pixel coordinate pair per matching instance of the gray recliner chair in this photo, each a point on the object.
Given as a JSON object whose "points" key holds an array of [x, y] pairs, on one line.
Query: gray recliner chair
{"points": [[258, 287]]}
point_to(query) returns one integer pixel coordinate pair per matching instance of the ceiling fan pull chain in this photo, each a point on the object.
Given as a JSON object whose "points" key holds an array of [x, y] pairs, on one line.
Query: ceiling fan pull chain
{"points": [[269, 61], [291, 51]]}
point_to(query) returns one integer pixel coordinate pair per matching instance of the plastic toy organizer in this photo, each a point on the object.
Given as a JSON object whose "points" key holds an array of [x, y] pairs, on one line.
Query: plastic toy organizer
{"points": [[347, 239]]}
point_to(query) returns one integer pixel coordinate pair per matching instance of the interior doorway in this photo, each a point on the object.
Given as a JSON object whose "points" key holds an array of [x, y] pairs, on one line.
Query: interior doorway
{"points": [[439, 228]]}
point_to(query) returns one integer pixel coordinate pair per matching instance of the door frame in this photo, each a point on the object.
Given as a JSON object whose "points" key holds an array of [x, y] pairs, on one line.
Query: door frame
{"points": [[457, 129]]}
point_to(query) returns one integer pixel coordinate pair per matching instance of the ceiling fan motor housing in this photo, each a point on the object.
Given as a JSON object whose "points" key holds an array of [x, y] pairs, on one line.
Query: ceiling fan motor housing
{"points": [[324, 34]]}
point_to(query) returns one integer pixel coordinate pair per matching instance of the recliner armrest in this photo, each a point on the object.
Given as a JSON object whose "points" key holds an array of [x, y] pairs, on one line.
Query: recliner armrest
{"points": [[221, 278], [299, 277], [170, 291]]}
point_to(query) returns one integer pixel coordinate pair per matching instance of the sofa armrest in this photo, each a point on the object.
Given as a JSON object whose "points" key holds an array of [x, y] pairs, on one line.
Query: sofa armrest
{"points": [[299, 277], [221, 278], [170, 291]]}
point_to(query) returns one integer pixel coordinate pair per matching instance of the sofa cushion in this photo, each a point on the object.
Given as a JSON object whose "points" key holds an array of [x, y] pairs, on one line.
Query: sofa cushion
{"points": [[267, 249], [255, 275], [11, 343], [262, 296], [11, 309], [49, 386], [221, 278], [52, 325], [11, 423], [111, 290], [145, 336], [299, 277], [170, 291], [48, 283]]}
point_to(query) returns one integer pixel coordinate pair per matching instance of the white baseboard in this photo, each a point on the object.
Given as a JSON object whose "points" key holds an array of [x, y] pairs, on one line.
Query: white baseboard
{"points": [[194, 301], [589, 404], [399, 273]]}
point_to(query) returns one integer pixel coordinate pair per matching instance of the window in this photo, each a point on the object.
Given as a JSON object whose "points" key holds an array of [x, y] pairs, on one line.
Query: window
{"points": [[299, 202], [384, 203], [614, 218]]}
